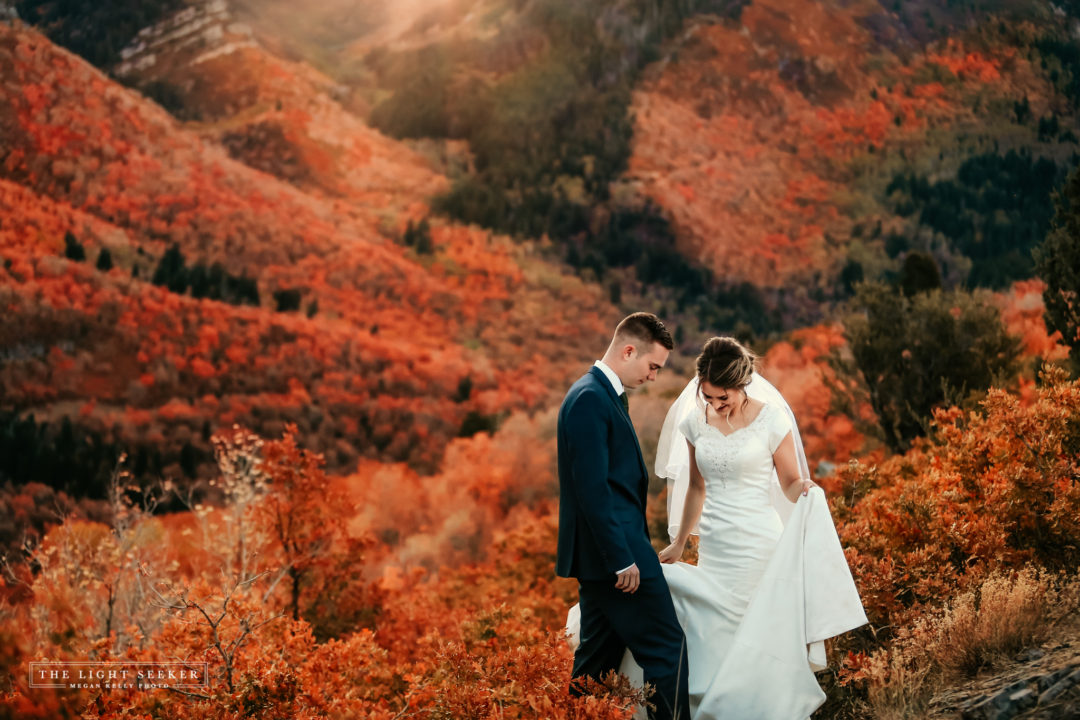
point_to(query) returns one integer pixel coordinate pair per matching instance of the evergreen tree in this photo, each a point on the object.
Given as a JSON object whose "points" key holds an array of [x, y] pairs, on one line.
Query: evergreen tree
{"points": [[909, 355], [615, 292], [1058, 264], [246, 291], [476, 422], [104, 260], [1022, 110], [464, 389], [994, 212], [287, 300], [142, 461], [199, 280], [919, 274], [96, 30], [422, 238], [170, 271], [66, 458], [189, 460], [73, 249], [851, 275], [1049, 128], [215, 281], [548, 138]]}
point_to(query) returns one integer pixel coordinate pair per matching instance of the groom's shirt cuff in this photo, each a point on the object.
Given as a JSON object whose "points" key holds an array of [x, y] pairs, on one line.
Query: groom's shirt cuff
{"points": [[625, 569]]}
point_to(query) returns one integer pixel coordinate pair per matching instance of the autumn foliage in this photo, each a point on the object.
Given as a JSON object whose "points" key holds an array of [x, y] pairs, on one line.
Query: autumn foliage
{"points": [[369, 530], [989, 492], [383, 343], [765, 141], [459, 642]]}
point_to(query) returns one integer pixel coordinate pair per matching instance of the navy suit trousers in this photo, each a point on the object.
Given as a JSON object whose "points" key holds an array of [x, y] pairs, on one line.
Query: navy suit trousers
{"points": [[645, 622]]}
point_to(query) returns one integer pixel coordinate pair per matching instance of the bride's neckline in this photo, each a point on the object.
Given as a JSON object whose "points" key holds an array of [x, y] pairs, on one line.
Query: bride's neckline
{"points": [[704, 418]]}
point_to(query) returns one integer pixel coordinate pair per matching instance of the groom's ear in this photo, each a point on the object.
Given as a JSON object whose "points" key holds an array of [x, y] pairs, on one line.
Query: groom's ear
{"points": [[628, 352]]}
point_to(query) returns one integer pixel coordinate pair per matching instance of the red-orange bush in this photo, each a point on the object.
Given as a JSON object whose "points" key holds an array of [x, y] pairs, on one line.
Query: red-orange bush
{"points": [[989, 490]]}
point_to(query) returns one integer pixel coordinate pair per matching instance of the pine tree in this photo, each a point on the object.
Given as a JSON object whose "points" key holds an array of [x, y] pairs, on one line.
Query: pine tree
{"points": [[73, 249], [1057, 262], [464, 389], [171, 272], [909, 355], [104, 260], [919, 274], [422, 238], [189, 460], [287, 300]]}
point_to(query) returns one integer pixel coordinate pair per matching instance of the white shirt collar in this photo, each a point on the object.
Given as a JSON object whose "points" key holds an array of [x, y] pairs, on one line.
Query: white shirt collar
{"points": [[611, 376]]}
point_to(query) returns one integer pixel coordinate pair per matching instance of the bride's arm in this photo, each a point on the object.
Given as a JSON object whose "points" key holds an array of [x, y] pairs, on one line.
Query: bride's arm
{"points": [[695, 500], [787, 469]]}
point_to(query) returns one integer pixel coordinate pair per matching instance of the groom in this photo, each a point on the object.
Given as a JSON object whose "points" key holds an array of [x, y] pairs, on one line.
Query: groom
{"points": [[603, 538]]}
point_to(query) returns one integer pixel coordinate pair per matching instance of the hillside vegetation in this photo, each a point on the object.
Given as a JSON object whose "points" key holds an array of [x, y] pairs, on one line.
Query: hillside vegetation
{"points": [[371, 347]]}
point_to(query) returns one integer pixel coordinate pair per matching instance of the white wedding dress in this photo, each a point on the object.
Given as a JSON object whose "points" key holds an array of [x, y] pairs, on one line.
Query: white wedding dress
{"points": [[739, 531], [764, 594]]}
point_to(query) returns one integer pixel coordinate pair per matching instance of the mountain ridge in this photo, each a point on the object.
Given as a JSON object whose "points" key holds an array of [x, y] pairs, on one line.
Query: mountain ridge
{"points": [[377, 344]]}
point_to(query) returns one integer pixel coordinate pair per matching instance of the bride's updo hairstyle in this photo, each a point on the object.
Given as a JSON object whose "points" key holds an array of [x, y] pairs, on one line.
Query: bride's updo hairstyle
{"points": [[726, 363]]}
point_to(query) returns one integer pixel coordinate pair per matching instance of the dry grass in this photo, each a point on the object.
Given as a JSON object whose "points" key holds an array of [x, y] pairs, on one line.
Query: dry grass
{"points": [[985, 625], [1000, 618], [900, 687]]}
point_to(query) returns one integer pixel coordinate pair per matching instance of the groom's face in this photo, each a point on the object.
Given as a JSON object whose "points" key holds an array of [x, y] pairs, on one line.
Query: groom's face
{"points": [[642, 364]]}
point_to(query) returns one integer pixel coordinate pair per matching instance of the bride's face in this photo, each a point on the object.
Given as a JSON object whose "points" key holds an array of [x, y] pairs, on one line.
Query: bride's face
{"points": [[722, 400]]}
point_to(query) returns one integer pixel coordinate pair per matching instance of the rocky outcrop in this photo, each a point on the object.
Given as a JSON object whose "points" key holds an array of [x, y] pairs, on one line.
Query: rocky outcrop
{"points": [[1052, 694], [1042, 684], [7, 12], [200, 32]]}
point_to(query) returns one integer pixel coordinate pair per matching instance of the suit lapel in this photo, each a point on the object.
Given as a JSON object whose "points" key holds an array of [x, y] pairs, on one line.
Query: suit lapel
{"points": [[614, 398]]}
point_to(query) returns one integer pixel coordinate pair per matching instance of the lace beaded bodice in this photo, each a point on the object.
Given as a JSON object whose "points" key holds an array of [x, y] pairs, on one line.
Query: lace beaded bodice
{"points": [[741, 458]]}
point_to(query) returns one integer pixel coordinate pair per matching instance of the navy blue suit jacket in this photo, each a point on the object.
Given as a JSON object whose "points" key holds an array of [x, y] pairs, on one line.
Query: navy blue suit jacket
{"points": [[603, 485]]}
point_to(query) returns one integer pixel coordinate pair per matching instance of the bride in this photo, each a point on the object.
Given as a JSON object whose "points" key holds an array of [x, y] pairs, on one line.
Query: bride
{"points": [[771, 581]]}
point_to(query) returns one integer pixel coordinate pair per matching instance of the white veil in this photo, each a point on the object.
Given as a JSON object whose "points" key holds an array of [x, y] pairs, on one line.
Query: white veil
{"points": [[673, 457]]}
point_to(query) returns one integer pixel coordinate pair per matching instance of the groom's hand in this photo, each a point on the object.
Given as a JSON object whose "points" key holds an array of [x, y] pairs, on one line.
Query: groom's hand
{"points": [[629, 579]]}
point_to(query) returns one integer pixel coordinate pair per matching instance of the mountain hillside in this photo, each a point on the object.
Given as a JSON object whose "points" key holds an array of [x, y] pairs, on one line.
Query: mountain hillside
{"points": [[375, 335], [750, 162], [291, 296], [281, 117], [768, 157], [758, 157], [775, 145]]}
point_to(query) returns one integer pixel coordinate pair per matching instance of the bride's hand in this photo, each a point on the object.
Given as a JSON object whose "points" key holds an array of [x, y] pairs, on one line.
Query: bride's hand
{"points": [[672, 553], [806, 485]]}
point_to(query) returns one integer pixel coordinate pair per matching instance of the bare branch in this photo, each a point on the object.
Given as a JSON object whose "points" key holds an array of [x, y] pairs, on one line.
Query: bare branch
{"points": [[187, 693]]}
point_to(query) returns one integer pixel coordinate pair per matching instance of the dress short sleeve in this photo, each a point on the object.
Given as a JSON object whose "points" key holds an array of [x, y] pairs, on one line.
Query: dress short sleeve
{"points": [[689, 427], [778, 424]]}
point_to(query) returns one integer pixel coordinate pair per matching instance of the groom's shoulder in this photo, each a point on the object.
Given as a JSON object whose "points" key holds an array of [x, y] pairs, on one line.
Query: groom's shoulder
{"points": [[586, 382], [585, 385]]}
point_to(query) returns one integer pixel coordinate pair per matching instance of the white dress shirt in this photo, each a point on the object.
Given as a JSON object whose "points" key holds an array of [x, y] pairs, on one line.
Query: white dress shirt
{"points": [[611, 376]]}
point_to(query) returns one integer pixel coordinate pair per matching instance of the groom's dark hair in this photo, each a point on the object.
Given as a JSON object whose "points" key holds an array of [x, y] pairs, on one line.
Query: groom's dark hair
{"points": [[646, 329]]}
